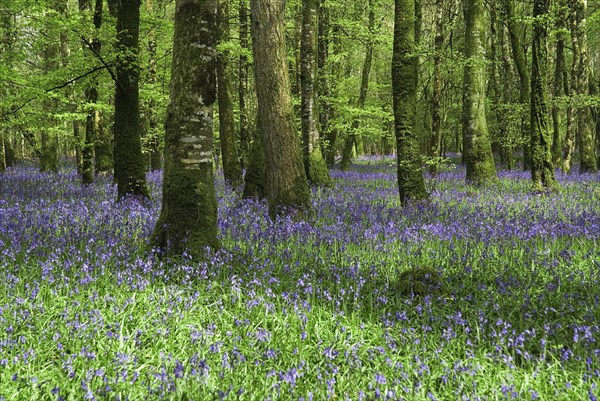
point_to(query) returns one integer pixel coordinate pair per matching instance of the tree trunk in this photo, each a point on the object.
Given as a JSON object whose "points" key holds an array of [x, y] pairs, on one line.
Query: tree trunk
{"points": [[49, 139], [314, 164], [558, 86], [542, 170], [287, 186], [232, 168], [91, 96], [245, 134], [188, 218], [435, 142], [580, 86], [476, 144], [404, 86], [323, 91], [518, 51], [331, 134], [351, 139], [153, 134], [130, 169]]}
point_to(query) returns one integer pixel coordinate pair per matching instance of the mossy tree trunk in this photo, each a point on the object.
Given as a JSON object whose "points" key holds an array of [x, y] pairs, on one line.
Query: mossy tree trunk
{"points": [[232, 169], [285, 178], [580, 86], [542, 170], [411, 184], [323, 90], [314, 164], [558, 87], [130, 171], [331, 133], [518, 51], [351, 138], [476, 144], [188, 218]]}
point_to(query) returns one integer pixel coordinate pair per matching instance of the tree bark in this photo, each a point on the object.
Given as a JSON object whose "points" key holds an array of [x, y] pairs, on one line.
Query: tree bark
{"points": [[232, 168], [130, 172], [411, 184], [542, 170], [518, 51], [287, 186], [188, 218], [153, 134], [558, 85], [245, 133], [476, 144], [435, 142], [314, 164], [580, 86], [91, 95]]}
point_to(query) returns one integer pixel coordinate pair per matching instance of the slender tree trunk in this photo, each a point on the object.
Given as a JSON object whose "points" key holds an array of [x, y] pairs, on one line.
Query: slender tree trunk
{"points": [[188, 218], [287, 186], [476, 144], [331, 134], [130, 172], [524, 79], [91, 95], [350, 142], [232, 169], [323, 91], [542, 170], [411, 184], [580, 86], [314, 164], [153, 134], [558, 86], [435, 142], [49, 139], [245, 135]]}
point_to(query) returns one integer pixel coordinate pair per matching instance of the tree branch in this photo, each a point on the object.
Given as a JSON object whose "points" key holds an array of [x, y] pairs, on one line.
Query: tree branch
{"points": [[62, 85]]}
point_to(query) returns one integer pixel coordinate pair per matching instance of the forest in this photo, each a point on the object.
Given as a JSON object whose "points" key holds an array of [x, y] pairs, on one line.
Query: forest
{"points": [[299, 199]]}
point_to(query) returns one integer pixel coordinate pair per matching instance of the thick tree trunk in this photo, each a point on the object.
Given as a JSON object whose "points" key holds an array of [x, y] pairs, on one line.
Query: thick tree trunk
{"points": [[580, 85], [411, 184], [130, 169], [314, 164], [476, 144], [287, 186], [188, 218], [232, 168], [542, 170]]}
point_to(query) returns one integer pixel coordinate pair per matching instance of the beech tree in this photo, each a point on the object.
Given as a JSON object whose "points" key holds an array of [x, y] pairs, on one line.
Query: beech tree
{"points": [[477, 150], [232, 169], [285, 178], [130, 172], [542, 170], [188, 218], [404, 83], [314, 163]]}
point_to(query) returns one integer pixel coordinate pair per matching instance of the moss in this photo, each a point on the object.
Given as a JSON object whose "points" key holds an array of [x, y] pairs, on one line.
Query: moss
{"points": [[420, 281], [188, 220], [318, 174]]}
